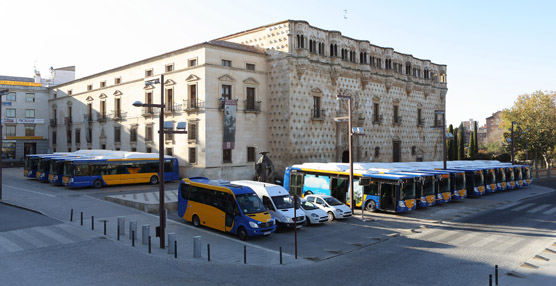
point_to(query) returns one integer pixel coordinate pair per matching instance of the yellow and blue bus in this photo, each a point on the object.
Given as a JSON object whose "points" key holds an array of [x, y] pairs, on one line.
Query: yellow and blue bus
{"points": [[30, 165], [56, 169], [372, 190], [132, 168], [224, 206], [474, 181], [457, 182]]}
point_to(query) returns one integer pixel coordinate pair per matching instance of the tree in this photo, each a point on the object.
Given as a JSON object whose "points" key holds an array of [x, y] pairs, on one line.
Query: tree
{"points": [[535, 113], [455, 152], [450, 144], [471, 152], [476, 141], [461, 145]]}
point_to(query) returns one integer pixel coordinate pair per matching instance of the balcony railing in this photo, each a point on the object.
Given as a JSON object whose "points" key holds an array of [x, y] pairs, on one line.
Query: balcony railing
{"points": [[252, 106], [397, 120], [193, 105], [318, 114], [53, 122], [377, 119], [118, 115], [222, 102], [420, 122], [101, 117], [173, 108], [68, 120], [88, 117], [149, 111]]}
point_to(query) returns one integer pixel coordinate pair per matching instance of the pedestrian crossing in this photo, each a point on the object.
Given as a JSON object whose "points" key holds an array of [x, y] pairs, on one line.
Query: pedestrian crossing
{"points": [[532, 208], [43, 236]]}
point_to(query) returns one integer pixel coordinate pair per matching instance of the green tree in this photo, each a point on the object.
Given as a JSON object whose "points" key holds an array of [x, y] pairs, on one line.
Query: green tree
{"points": [[450, 144], [471, 151], [476, 141], [535, 113], [461, 145], [455, 152]]}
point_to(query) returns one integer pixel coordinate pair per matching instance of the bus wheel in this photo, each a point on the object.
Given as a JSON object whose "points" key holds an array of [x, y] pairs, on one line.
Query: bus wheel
{"points": [[330, 216], [371, 206], [196, 221], [97, 184], [242, 233], [154, 180]]}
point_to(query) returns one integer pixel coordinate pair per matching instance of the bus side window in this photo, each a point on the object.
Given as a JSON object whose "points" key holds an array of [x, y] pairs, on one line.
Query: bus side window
{"points": [[121, 169], [185, 191], [372, 189], [267, 203], [219, 200], [194, 194]]}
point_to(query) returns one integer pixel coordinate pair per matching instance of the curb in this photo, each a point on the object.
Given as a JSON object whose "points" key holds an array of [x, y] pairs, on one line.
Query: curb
{"points": [[22, 207]]}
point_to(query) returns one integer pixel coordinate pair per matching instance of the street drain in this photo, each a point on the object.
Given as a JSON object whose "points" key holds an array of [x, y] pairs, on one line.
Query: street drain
{"points": [[529, 265], [538, 257]]}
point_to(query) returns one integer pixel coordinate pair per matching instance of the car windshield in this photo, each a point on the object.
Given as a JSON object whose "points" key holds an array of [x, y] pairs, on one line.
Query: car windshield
{"points": [[250, 203], [460, 181], [444, 184], [68, 169], [332, 201], [491, 177], [408, 189], [428, 186], [308, 206], [283, 202], [479, 179]]}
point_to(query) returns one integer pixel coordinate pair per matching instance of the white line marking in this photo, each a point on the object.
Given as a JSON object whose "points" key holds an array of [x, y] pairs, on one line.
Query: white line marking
{"points": [[30, 238], [485, 241], [551, 211], [7, 244], [523, 207], [25, 190], [55, 236], [508, 206], [538, 209]]}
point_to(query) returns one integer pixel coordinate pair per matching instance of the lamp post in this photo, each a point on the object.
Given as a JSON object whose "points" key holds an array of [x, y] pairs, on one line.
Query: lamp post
{"points": [[513, 161], [161, 131], [2, 92], [443, 135]]}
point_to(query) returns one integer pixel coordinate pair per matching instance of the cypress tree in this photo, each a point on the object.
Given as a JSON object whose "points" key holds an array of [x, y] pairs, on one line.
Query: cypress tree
{"points": [[461, 145], [450, 144], [471, 152], [455, 144], [476, 143]]}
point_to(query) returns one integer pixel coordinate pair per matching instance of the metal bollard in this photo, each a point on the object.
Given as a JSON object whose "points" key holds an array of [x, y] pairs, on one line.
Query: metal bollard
{"points": [[171, 239], [121, 225], [104, 227], [280, 255], [208, 251], [149, 244], [146, 229], [175, 249], [490, 280], [496, 274], [133, 238], [196, 246], [244, 254], [71, 215], [93, 222], [118, 233], [81, 218], [132, 227]]}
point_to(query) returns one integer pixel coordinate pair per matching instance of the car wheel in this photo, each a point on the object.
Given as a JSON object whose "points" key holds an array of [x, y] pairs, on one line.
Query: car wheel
{"points": [[307, 221], [330, 216], [371, 206], [154, 180], [242, 233], [196, 221], [97, 184]]}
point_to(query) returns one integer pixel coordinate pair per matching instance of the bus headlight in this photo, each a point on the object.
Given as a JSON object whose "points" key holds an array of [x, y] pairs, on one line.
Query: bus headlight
{"points": [[401, 204], [253, 225]]}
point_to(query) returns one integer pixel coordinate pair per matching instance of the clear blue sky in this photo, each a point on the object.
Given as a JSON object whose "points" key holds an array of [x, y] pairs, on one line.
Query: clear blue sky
{"points": [[495, 50]]}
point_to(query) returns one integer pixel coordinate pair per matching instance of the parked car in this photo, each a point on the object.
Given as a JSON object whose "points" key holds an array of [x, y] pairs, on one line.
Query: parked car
{"points": [[334, 208], [313, 214]]}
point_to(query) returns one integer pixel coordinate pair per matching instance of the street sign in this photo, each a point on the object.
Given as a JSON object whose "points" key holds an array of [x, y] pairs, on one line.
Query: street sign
{"points": [[6, 104]]}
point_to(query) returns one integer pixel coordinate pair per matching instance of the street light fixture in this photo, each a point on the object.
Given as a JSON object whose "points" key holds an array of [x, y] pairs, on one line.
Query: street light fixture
{"points": [[161, 131], [2, 92]]}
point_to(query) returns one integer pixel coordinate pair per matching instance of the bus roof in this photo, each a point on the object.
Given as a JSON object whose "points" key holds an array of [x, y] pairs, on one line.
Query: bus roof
{"points": [[236, 189]]}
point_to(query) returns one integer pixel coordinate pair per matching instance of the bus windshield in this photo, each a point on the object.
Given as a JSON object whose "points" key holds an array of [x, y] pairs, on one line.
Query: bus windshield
{"points": [[527, 172], [491, 177], [250, 203], [518, 174], [510, 174], [283, 202], [479, 179], [408, 190], [460, 181], [428, 186], [68, 169], [444, 184], [501, 175], [30, 163]]}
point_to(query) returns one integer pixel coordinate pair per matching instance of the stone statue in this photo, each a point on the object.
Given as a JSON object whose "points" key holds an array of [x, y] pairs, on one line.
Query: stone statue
{"points": [[264, 169]]}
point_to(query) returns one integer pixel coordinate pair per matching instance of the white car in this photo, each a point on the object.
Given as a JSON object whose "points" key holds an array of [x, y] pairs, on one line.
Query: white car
{"points": [[313, 214], [334, 208]]}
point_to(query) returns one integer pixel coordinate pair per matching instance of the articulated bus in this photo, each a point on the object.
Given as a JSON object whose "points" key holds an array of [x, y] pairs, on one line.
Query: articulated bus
{"points": [[224, 206], [130, 168], [372, 190]]}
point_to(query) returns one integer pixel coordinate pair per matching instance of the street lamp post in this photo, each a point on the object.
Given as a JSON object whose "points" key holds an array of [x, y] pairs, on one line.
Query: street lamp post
{"points": [[161, 132], [2, 92], [443, 135], [350, 135]]}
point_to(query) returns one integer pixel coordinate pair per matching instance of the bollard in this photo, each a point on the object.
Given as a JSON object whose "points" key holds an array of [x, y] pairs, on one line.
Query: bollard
{"points": [[244, 254], [118, 233], [280, 255], [496, 274], [104, 227], [81, 218], [490, 280], [175, 249], [121, 225], [149, 244], [196, 246], [146, 229], [132, 227], [71, 215], [171, 239], [133, 238], [93, 222], [208, 251]]}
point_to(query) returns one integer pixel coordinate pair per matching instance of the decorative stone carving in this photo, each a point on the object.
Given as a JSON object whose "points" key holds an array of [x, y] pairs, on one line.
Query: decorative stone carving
{"points": [[192, 77], [227, 78]]}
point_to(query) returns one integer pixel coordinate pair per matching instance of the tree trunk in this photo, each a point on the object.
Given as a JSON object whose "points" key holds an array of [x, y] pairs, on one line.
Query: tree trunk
{"points": [[536, 166]]}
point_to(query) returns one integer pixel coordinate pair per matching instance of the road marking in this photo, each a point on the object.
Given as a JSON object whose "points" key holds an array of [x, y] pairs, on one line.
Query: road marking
{"points": [[25, 190], [30, 238], [551, 211], [54, 235], [463, 238], [7, 244], [538, 209], [485, 241], [508, 206], [523, 207], [443, 235]]}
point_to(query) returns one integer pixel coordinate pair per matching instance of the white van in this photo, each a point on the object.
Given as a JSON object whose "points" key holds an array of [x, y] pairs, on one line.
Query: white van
{"points": [[278, 202]]}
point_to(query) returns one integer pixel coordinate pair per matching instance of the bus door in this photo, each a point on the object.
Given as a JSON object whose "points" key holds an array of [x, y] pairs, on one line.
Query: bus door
{"points": [[387, 193], [231, 211], [339, 188], [470, 183]]}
